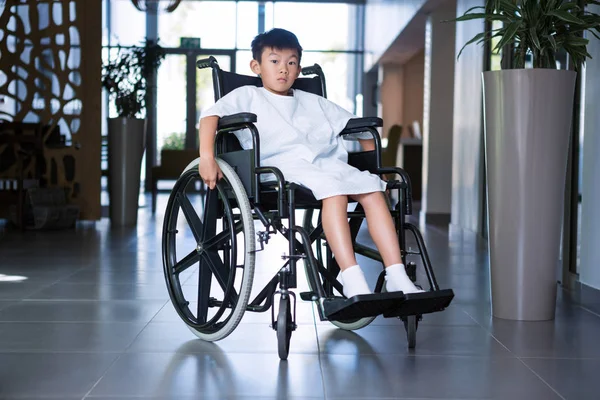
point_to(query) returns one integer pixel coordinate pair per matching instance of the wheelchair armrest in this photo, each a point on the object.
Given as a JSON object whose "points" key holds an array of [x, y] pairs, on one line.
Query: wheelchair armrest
{"points": [[356, 125], [231, 121]]}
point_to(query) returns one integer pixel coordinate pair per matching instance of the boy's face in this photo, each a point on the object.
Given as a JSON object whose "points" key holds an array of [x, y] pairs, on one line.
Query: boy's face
{"points": [[278, 69]]}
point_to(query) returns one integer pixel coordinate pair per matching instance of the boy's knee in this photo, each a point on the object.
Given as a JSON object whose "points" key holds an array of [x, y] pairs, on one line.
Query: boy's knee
{"points": [[366, 198]]}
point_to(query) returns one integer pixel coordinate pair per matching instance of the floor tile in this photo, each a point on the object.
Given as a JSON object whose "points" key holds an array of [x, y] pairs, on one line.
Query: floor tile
{"points": [[60, 337], [388, 376], [212, 374], [246, 338], [203, 397], [51, 374], [20, 290], [44, 397], [108, 276], [431, 340], [81, 311], [574, 379], [304, 314], [37, 273], [573, 334], [96, 291]]}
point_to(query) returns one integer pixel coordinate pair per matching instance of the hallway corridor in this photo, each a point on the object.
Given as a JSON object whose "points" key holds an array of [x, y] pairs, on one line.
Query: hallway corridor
{"points": [[93, 320]]}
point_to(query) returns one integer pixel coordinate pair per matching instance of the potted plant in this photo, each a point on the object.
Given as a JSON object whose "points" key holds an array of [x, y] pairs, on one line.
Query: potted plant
{"points": [[528, 115], [126, 77]]}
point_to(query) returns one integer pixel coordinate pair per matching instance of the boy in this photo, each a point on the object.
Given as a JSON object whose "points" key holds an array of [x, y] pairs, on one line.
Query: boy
{"points": [[299, 135]]}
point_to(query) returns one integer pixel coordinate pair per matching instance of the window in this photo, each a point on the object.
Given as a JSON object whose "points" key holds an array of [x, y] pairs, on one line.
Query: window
{"points": [[214, 22], [338, 69], [128, 24], [242, 62], [247, 23], [318, 26]]}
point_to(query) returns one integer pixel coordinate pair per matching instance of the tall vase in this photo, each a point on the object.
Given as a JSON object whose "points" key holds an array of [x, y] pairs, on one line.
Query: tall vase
{"points": [[527, 128], [126, 143]]}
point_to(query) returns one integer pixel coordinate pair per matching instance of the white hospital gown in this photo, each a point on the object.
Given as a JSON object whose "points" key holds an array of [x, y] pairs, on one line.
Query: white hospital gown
{"points": [[299, 135]]}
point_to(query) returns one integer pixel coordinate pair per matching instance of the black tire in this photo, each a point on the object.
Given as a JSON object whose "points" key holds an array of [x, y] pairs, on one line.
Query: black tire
{"points": [[220, 241], [284, 328], [410, 325], [309, 222]]}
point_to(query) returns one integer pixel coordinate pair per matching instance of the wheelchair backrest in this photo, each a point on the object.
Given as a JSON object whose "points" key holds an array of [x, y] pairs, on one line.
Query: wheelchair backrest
{"points": [[224, 82]]}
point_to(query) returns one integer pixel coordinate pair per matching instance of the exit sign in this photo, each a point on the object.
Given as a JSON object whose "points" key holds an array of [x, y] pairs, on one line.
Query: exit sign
{"points": [[189, 43]]}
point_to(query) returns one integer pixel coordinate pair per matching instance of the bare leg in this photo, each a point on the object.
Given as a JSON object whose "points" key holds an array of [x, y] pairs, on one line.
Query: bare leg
{"points": [[381, 226], [383, 233], [334, 217]]}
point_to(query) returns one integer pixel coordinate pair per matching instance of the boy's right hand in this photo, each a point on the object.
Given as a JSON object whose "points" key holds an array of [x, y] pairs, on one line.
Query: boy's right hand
{"points": [[209, 171]]}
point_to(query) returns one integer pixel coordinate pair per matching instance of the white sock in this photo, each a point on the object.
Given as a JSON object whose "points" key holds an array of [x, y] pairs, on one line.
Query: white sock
{"points": [[397, 280], [354, 282]]}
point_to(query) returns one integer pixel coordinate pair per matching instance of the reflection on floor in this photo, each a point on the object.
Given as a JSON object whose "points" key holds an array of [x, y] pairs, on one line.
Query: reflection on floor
{"points": [[92, 320]]}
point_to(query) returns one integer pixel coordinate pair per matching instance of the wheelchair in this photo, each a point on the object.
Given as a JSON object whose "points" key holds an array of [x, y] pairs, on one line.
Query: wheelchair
{"points": [[210, 238]]}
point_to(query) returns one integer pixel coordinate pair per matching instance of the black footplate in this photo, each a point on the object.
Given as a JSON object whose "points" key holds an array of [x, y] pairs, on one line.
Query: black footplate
{"points": [[363, 305], [421, 303]]}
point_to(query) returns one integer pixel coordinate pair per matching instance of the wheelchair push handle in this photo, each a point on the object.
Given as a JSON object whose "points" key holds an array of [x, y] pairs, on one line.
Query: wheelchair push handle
{"points": [[207, 62], [312, 70]]}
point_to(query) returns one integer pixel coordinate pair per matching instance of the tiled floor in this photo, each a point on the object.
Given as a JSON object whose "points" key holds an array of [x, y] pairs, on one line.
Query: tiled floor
{"points": [[93, 320]]}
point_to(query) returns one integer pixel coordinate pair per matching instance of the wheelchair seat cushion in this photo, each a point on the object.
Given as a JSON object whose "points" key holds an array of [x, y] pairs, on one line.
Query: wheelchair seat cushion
{"points": [[299, 134]]}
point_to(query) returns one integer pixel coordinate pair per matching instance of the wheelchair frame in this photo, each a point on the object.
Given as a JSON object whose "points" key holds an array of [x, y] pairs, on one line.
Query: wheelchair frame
{"points": [[274, 202]]}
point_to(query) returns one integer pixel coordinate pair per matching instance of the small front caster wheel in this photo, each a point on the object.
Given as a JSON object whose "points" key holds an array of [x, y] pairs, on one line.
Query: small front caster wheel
{"points": [[410, 324], [285, 326]]}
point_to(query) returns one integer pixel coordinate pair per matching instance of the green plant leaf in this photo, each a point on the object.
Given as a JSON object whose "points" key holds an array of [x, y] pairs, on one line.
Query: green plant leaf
{"points": [[508, 6], [576, 41], [552, 43], [474, 8], [571, 5], [473, 40], [468, 17], [565, 16], [595, 34], [534, 38], [509, 36]]}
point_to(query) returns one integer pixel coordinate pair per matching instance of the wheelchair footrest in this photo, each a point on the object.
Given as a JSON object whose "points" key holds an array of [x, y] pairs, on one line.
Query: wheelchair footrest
{"points": [[360, 306], [421, 303]]}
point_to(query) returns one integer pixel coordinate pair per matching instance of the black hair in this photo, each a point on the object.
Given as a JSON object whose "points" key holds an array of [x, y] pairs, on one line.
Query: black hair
{"points": [[276, 38]]}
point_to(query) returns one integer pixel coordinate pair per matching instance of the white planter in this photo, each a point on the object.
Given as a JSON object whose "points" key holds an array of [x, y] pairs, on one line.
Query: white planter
{"points": [[527, 128], [126, 143]]}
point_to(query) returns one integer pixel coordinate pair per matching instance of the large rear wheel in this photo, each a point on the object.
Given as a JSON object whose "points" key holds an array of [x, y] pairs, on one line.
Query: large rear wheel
{"points": [[208, 252]]}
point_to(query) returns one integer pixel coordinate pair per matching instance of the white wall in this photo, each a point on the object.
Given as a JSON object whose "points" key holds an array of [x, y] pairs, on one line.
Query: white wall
{"points": [[589, 269], [467, 155], [438, 110], [384, 20]]}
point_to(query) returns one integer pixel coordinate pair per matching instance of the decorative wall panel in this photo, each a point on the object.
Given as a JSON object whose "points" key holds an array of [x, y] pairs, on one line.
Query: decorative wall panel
{"points": [[50, 75]]}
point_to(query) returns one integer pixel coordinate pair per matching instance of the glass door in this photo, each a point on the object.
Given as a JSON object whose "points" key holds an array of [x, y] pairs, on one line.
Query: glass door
{"points": [[204, 95], [171, 110], [183, 91]]}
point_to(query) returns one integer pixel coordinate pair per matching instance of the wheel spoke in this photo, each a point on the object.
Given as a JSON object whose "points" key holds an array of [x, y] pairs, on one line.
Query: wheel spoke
{"points": [[218, 240], [190, 215], [221, 272], [209, 227], [186, 262], [204, 281]]}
